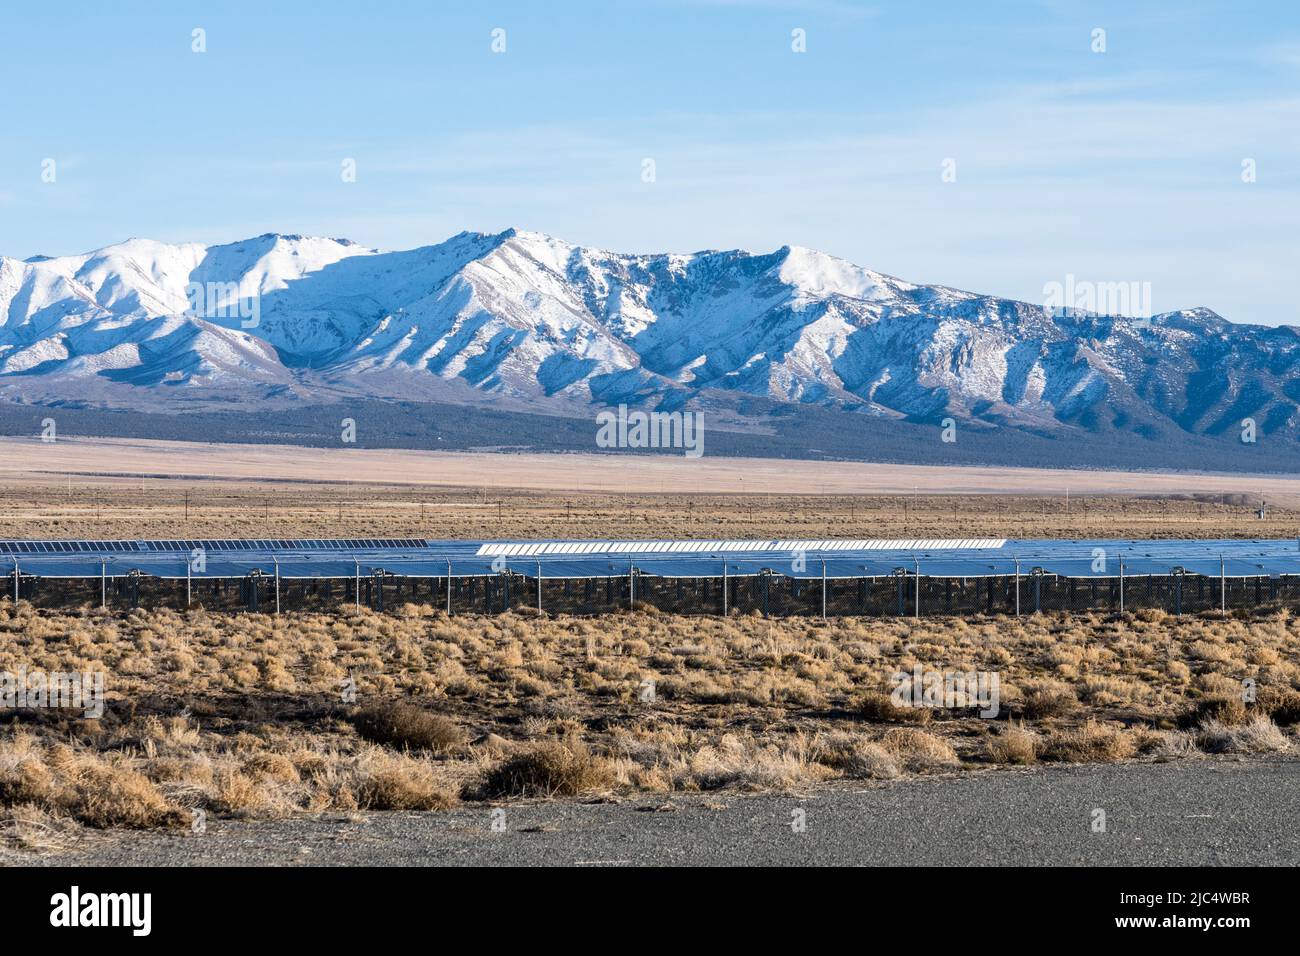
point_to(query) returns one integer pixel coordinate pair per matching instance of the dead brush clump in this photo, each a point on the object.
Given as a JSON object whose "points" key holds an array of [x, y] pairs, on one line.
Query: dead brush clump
{"points": [[399, 782], [1228, 711], [1016, 744], [97, 790], [1175, 745], [1281, 705], [739, 760], [1051, 701], [857, 756], [1091, 743], [111, 794], [235, 793], [918, 751], [550, 768], [29, 828], [268, 765], [1259, 735], [881, 708], [406, 726]]}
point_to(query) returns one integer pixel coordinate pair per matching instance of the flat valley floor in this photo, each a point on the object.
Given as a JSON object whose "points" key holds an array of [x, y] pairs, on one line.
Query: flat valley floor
{"points": [[125, 488]]}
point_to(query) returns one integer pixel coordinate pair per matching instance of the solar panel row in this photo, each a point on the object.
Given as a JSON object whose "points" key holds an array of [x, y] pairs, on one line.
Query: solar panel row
{"points": [[187, 545], [525, 548]]}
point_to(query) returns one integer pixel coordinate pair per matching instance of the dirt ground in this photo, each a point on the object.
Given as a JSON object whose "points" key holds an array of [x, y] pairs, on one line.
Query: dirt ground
{"points": [[611, 473], [130, 489], [35, 507]]}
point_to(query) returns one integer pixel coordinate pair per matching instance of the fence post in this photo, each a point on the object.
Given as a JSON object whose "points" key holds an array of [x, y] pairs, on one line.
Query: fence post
{"points": [[189, 586], [823, 590], [724, 588], [358, 585], [918, 587], [1121, 584], [15, 581], [631, 585], [103, 584], [277, 584], [1223, 588], [449, 587], [1017, 587], [539, 586]]}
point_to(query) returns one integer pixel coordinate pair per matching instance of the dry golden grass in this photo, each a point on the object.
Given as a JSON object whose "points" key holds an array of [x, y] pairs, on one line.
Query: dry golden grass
{"points": [[244, 714]]}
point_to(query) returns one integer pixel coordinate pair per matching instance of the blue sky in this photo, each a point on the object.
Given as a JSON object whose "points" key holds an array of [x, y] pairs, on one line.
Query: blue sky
{"points": [[1117, 166]]}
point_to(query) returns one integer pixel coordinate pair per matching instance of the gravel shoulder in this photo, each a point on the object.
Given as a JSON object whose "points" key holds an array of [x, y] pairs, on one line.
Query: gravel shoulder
{"points": [[1217, 811]]}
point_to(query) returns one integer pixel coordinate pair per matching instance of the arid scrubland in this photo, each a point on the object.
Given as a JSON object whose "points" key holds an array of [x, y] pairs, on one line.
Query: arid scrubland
{"points": [[246, 714]]}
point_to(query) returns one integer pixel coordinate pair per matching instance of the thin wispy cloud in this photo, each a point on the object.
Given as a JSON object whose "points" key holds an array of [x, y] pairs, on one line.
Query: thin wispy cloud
{"points": [[1127, 162]]}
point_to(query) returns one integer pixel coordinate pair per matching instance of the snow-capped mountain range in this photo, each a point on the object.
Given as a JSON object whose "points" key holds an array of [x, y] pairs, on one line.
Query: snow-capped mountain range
{"points": [[527, 321]]}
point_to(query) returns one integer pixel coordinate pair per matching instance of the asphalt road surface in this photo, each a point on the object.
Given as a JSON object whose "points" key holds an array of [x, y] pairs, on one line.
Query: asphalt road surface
{"points": [[1213, 811]]}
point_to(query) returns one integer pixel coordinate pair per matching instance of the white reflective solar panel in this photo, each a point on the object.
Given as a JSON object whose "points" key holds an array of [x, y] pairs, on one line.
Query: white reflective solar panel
{"points": [[696, 547]]}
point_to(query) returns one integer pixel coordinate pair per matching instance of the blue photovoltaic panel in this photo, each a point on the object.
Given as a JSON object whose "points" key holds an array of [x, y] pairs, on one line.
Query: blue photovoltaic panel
{"points": [[834, 558]]}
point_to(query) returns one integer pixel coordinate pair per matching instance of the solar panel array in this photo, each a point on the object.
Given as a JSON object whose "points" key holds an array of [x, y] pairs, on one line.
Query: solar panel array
{"points": [[525, 548], [228, 544], [832, 559]]}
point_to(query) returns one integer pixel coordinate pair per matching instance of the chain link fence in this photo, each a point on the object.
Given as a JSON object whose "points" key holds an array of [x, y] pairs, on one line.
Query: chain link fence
{"points": [[902, 594]]}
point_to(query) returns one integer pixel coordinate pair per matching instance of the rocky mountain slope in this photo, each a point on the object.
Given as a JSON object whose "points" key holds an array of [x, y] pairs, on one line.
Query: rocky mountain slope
{"points": [[528, 322]]}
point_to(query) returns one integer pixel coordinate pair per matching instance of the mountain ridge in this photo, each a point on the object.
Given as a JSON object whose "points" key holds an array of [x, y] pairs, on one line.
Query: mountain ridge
{"points": [[526, 321]]}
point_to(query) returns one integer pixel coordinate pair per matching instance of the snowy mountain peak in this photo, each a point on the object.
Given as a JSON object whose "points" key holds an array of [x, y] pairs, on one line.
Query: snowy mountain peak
{"points": [[546, 324]]}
